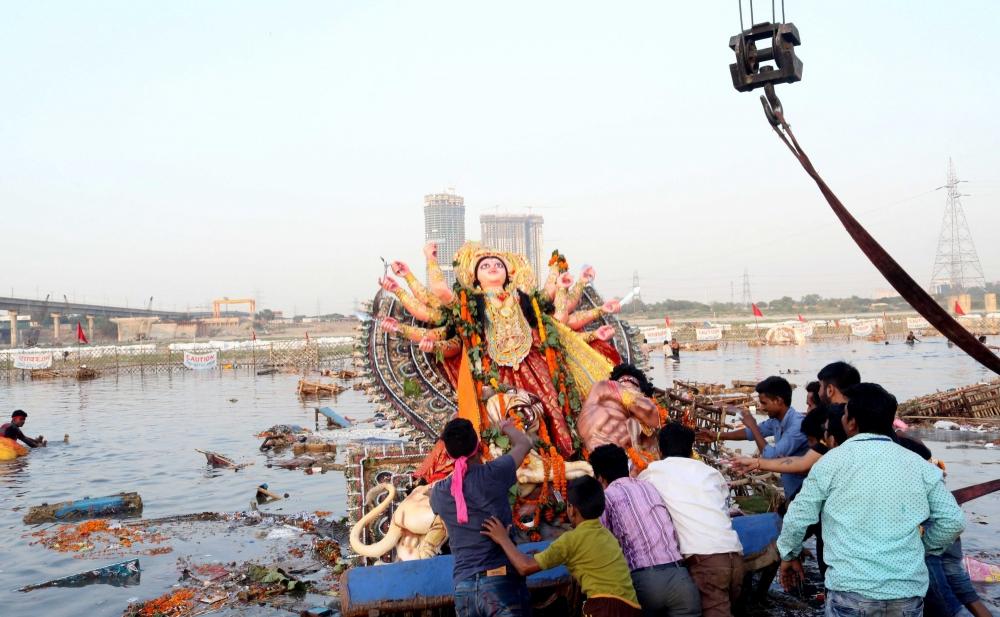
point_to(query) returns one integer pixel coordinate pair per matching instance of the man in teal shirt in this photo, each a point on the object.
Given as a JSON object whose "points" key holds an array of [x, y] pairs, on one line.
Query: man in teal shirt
{"points": [[872, 496]]}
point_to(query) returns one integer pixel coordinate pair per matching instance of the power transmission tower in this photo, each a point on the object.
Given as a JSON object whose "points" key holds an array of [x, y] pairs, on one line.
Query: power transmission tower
{"points": [[637, 298], [956, 266], [747, 296]]}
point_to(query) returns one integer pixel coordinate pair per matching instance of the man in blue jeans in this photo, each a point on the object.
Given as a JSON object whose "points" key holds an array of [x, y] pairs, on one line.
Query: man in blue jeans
{"points": [[486, 583], [873, 496], [951, 592]]}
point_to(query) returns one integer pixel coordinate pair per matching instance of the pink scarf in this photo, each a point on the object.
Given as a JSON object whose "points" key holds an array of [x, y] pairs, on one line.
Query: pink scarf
{"points": [[457, 477]]}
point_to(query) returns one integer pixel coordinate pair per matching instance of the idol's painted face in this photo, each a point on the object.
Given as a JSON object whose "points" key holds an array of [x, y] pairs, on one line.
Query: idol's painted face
{"points": [[491, 273], [631, 382]]}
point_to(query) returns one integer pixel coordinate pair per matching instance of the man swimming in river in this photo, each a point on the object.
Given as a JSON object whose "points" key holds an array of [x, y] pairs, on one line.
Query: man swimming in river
{"points": [[12, 430]]}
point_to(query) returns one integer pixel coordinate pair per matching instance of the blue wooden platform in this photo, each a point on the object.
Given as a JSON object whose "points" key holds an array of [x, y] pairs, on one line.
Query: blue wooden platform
{"points": [[334, 417], [426, 583]]}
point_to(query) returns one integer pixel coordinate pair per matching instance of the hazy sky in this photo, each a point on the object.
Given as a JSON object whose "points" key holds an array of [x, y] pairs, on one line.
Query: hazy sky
{"points": [[188, 150]]}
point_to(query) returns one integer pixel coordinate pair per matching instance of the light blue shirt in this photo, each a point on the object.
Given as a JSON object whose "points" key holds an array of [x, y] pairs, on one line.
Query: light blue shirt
{"points": [[788, 441], [873, 496]]}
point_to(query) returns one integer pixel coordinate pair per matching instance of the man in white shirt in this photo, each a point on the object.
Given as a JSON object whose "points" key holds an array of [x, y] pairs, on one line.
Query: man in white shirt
{"points": [[697, 497]]}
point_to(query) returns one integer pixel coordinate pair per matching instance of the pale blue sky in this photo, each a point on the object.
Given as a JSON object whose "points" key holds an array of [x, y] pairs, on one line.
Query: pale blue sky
{"points": [[188, 150]]}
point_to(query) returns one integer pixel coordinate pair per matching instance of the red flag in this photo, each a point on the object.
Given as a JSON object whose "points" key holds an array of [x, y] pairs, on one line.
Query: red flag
{"points": [[668, 320], [756, 311], [801, 319], [80, 336], [958, 309]]}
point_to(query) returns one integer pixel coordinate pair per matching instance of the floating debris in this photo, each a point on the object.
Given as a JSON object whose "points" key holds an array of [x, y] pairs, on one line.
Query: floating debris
{"points": [[327, 550], [217, 460], [358, 434], [99, 537], [83, 373], [122, 574], [333, 419], [121, 505], [173, 604], [282, 436], [315, 388]]}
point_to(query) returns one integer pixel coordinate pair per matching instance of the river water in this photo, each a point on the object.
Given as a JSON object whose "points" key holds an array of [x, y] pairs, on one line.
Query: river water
{"points": [[139, 433]]}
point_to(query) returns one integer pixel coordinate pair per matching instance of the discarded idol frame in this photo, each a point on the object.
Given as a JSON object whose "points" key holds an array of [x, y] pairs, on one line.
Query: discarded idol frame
{"points": [[122, 505], [121, 574]]}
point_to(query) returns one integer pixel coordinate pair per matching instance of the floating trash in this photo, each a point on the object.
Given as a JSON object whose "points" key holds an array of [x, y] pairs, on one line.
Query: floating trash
{"points": [[121, 574]]}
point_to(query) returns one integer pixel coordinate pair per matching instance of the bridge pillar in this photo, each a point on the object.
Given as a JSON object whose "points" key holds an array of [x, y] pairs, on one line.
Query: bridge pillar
{"points": [[13, 327], [55, 326], [90, 328]]}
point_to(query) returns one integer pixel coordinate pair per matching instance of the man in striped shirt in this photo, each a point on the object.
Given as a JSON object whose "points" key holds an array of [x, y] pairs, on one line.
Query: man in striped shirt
{"points": [[636, 515]]}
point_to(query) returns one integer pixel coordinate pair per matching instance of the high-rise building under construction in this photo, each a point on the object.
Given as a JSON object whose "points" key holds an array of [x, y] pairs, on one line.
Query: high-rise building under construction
{"points": [[515, 233], [444, 223]]}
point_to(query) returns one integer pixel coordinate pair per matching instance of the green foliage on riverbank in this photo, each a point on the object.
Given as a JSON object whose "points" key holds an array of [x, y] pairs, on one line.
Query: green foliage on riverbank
{"points": [[786, 305]]}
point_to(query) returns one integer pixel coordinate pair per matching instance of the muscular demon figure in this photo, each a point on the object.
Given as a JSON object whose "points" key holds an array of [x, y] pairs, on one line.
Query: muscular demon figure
{"points": [[619, 411]]}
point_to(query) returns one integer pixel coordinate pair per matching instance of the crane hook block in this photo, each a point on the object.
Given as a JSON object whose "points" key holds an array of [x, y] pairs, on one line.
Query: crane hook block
{"points": [[749, 72]]}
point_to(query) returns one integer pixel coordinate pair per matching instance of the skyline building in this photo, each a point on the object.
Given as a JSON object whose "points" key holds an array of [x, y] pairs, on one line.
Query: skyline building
{"points": [[515, 233], [444, 223]]}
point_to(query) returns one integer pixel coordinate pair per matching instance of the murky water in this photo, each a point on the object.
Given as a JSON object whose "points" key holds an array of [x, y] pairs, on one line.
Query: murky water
{"points": [[140, 434]]}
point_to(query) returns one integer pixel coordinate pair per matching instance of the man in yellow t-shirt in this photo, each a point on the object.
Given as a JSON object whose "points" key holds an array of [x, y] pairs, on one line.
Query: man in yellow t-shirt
{"points": [[589, 551]]}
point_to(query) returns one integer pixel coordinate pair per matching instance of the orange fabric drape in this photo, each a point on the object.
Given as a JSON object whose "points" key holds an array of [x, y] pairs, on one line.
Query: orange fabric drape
{"points": [[468, 397]]}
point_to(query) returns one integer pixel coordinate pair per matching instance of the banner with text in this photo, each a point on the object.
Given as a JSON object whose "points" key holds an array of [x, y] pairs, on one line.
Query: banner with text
{"points": [[805, 328], [708, 334], [916, 323], [32, 359], [862, 329], [202, 360], [658, 336]]}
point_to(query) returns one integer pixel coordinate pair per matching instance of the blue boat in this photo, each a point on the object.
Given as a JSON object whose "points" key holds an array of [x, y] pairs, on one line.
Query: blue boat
{"points": [[425, 584]]}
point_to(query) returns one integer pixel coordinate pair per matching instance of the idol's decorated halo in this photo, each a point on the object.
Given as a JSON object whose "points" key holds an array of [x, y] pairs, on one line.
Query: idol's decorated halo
{"points": [[518, 268]]}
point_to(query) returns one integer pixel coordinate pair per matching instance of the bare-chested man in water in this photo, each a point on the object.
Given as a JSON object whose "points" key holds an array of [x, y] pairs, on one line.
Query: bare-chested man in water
{"points": [[619, 411]]}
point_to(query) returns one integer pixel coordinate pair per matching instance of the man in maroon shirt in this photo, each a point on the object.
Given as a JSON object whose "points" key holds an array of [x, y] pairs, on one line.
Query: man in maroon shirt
{"points": [[635, 514]]}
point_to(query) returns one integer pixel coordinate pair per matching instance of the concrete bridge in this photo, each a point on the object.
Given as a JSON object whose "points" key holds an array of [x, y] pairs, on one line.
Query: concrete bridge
{"points": [[26, 306], [57, 310]]}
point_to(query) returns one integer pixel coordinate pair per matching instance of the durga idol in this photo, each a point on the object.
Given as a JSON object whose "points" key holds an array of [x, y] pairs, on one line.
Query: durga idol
{"points": [[497, 330]]}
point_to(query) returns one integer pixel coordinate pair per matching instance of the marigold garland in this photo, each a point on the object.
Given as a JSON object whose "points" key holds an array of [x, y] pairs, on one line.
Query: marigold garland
{"points": [[553, 464], [640, 458], [662, 412], [176, 603]]}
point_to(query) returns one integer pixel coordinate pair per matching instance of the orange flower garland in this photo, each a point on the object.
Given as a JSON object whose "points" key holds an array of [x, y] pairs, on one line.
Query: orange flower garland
{"points": [[640, 458], [663, 414], [176, 603]]}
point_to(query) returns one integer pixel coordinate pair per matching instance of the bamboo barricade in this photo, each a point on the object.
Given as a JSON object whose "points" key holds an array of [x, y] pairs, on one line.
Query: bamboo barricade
{"points": [[273, 356], [701, 388], [976, 402], [705, 414]]}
